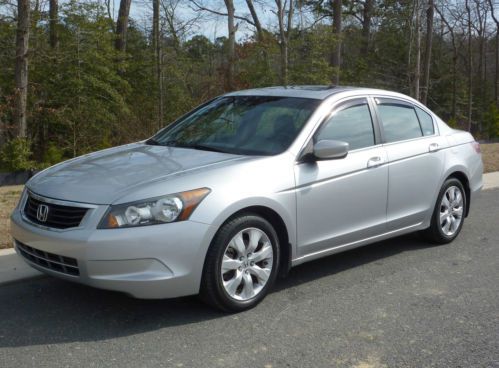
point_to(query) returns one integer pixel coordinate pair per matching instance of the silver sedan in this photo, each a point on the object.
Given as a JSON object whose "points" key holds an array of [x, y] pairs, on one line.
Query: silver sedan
{"points": [[246, 186]]}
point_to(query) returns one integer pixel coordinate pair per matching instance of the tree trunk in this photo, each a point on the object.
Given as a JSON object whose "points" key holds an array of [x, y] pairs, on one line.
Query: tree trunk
{"points": [[417, 67], [21, 69], [231, 50], [496, 81], [480, 26], [337, 27], [284, 30], [454, 62], [496, 84], [283, 43], [156, 40], [53, 23], [260, 33], [469, 65], [427, 56], [366, 26], [122, 25], [256, 20]]}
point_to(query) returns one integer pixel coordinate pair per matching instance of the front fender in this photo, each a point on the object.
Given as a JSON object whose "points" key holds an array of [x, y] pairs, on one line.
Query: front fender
{"points": [[285, 211]]}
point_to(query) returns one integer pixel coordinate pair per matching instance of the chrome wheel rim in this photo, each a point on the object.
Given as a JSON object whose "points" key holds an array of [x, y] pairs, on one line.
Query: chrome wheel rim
{"points": [[247, 264], [451, 210]]}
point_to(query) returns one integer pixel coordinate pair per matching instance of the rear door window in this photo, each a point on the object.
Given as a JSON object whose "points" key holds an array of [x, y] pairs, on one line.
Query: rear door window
{"points": [[399, 121]]}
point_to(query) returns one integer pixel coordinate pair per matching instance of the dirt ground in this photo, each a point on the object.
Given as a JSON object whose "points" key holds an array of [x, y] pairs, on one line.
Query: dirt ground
{"points": [[10, 195], [490, 155], [8, 199]]}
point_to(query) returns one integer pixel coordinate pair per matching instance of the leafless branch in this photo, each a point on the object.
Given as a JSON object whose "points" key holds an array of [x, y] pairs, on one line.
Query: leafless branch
{"points": [[216, 12]]}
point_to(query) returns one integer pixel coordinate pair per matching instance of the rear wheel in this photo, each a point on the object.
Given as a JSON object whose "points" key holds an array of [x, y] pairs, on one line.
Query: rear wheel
{"points": [[241, 264], [448, 215]]}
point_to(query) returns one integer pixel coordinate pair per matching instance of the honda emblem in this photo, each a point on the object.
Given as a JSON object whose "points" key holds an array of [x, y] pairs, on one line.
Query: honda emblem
{"points": [[42, 212]]}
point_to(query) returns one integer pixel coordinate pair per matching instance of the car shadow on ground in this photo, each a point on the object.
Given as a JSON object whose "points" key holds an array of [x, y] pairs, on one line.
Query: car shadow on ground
{"points": [[50, 311], [337, 263]]}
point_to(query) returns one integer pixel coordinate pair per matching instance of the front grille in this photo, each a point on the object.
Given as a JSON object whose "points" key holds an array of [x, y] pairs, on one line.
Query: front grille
{"points": [[58, 216], [49, 261]]}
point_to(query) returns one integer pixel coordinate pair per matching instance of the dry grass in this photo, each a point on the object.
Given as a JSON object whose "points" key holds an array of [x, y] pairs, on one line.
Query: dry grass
{"points": [[8, 199], [490, 155], [10, 195]]}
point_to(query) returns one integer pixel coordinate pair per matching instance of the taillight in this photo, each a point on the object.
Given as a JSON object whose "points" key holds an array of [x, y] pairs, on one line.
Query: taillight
{"points": [[476, 147]]}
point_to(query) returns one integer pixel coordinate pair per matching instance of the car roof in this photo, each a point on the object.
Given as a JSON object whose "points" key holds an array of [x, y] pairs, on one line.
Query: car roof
{"points": [[318, 92]]}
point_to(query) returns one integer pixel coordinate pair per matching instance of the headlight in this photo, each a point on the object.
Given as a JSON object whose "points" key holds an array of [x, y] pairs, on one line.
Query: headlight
{"points": [[159, 210]]}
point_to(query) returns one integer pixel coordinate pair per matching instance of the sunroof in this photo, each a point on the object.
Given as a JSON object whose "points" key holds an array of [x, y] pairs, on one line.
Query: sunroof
{"points": [[313, 88]]}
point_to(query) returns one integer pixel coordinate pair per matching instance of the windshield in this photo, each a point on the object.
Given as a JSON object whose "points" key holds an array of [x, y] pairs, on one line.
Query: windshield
{"points": [[246, 125]]}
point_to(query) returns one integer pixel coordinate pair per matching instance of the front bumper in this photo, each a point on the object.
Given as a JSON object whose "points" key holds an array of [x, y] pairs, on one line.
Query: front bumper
{"points": [[150, 262]]}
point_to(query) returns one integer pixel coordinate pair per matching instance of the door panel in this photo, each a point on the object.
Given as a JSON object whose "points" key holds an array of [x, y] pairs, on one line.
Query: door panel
{"points": [[340, 201], [343, 200], [415, 161], [414, 176]]}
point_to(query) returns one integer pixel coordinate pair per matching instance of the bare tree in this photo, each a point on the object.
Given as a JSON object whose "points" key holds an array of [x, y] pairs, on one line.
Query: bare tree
{"points": [[285, 21], [428, 46], [337, 29], [122, 25], [21, 69], [169, 8], [417, 66], [53, 23], [110, 11], [231, 47], [366, 25], [451, 29], [256, 20], [156, 41], [231, 41], [480, 26], [469, 64], [496, 81]]}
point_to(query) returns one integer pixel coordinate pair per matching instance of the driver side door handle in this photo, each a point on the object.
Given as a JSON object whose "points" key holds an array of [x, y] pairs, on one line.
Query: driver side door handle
{"points": [[374, 161]]}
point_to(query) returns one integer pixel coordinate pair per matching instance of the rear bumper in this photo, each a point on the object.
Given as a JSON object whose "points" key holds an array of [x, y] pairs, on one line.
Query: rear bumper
{"points": [[475, 182], [159, 261]]}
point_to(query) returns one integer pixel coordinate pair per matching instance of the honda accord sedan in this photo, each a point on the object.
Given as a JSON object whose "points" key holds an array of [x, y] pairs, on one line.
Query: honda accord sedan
{"points": [[245, 187]]}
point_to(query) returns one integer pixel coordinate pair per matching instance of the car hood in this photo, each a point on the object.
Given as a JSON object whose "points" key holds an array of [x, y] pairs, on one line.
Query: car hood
{"points": [[104, 176]]}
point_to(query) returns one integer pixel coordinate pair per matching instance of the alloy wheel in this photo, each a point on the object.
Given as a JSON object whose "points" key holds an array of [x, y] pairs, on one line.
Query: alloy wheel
{"points": [[451, 210], [247, 264]]}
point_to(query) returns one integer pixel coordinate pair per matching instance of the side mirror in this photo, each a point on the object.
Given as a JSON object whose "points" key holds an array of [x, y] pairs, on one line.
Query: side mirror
{"points": [[329, 149]]}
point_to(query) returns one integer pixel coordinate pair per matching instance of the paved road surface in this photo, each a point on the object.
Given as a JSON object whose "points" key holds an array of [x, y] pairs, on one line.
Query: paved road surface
{"points": [[398, 303]]}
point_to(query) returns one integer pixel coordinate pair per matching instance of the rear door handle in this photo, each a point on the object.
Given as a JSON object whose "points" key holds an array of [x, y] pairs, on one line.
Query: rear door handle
{"points": [[374, 161], [433, 147]]}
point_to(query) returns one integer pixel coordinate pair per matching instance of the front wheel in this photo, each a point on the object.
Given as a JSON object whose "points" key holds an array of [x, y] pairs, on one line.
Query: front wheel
{"points": [[241, 264], [448, 215]]}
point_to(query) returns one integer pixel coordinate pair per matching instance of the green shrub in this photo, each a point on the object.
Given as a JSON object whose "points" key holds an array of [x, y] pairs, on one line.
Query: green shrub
{"points": [[52, 156], [15, 155], [491, 122]]}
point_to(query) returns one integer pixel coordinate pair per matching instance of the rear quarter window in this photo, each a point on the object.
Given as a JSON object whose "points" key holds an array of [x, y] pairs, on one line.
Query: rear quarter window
{"points": [[426, 122]]}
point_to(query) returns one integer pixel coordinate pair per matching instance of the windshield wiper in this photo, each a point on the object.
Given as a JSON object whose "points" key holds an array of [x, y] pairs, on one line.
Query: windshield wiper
{"points": [[202, 147], [152, 142], [174, 143]]}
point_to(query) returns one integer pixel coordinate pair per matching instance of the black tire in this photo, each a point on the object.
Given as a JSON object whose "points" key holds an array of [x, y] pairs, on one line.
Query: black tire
{"points": [[212, 290], [434, 233]]}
